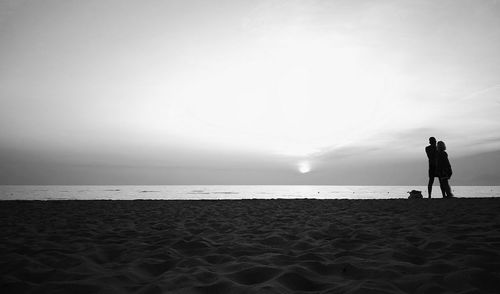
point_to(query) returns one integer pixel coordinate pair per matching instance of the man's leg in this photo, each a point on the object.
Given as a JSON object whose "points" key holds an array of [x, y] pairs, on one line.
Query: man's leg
{"points": [[429, 185]]}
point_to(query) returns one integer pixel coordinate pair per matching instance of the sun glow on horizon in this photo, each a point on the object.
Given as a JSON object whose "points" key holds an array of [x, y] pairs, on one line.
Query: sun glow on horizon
{"points": [[304, 167]]}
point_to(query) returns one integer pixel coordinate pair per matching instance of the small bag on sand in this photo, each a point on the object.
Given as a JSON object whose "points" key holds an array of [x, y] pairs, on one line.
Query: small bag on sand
{"points": [[415, 194]]}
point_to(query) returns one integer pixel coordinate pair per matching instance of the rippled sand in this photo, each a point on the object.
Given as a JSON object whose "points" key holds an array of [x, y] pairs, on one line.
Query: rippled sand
{"points": [[249, 246]]}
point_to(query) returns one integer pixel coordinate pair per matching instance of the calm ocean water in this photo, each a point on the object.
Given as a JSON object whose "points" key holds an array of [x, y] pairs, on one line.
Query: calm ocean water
{"points": [[230, 192]]}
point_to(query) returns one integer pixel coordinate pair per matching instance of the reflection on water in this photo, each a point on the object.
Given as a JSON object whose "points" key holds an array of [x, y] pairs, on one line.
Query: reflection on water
{"points": [[228, 192]]}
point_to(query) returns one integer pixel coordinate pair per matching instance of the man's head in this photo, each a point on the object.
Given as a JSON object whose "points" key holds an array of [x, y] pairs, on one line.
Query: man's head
{"points": [[432, 141]]}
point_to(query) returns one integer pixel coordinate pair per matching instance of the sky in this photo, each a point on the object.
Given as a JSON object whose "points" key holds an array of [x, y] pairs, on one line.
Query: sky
{"points": [[247, 92]]}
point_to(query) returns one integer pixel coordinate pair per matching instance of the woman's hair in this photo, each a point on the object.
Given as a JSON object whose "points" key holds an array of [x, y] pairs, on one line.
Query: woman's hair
{"points": [[441, 146]]}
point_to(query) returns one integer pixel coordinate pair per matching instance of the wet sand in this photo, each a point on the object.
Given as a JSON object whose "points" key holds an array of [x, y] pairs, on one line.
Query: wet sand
{"points": [[251, 246]]}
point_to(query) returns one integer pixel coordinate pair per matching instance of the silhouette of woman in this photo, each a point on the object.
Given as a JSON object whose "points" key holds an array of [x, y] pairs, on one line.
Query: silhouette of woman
{"points": [[443, 170]]}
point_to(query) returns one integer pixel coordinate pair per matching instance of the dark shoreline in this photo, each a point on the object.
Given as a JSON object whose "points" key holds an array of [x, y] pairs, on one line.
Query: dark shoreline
{"points": [[255, 199]]}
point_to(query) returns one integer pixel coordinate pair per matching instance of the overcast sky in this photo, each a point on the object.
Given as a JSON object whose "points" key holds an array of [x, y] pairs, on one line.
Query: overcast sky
{"points": [[247, 92]]}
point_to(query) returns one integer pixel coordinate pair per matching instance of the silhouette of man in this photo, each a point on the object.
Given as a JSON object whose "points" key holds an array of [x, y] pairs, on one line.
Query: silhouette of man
{"points": [[431, 152]]}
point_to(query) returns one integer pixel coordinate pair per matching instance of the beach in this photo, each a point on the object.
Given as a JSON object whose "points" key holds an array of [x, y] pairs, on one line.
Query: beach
{"points": [[251, 246]]}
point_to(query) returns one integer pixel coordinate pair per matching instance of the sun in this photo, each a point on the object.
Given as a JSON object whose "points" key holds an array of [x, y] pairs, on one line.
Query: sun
{"points": [[304, 167]]}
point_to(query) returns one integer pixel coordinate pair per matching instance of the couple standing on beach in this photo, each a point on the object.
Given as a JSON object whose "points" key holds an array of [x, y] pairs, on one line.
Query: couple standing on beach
{"points": [[439, 166]]}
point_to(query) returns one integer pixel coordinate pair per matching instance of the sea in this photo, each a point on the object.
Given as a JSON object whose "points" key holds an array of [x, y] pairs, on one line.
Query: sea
{"points": [[223, 192]]}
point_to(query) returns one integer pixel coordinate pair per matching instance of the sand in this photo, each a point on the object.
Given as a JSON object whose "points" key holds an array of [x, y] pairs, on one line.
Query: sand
{"points": [[251, 246]]}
